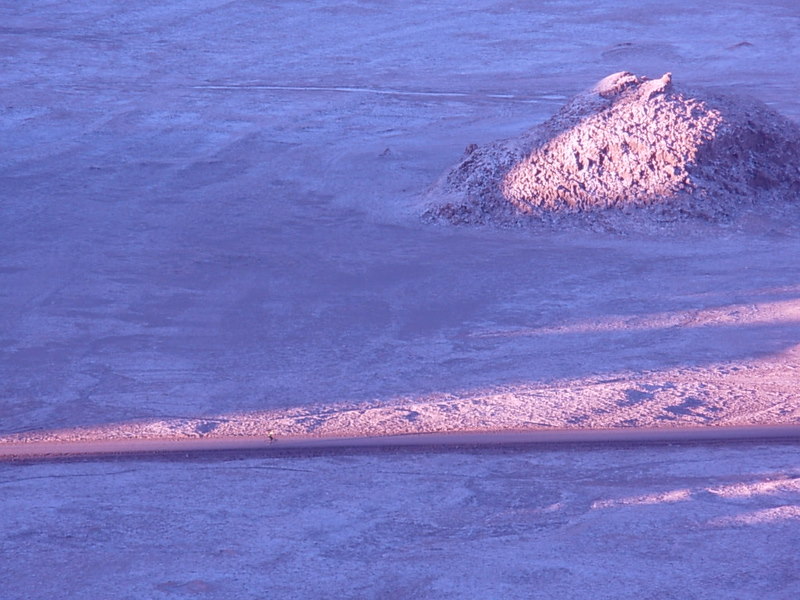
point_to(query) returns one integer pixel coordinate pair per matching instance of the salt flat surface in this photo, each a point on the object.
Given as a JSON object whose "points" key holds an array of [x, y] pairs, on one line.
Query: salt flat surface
{"points": [[208, 224], [208, 227], [663, 522]]}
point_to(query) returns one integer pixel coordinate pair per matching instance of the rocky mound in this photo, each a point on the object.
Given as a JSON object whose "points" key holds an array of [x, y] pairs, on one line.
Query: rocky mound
{"points": [[630, 143]]}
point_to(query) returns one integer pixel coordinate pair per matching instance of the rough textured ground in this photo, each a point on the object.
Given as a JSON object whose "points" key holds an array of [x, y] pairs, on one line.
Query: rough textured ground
{"points": [[569, 333], [681, 523], [203, 232], [630, 143], [193, 241]]}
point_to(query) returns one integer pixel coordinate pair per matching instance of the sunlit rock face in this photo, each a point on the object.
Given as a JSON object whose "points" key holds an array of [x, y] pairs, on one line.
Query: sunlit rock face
{"points": [[630, 142]]}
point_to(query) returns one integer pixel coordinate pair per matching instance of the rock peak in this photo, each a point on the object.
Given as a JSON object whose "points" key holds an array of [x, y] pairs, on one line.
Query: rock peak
{"points": [[630, 142]]}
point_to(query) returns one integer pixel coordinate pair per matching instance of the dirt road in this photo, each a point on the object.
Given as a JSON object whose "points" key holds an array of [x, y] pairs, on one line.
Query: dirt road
{"points": [[638, 436]]}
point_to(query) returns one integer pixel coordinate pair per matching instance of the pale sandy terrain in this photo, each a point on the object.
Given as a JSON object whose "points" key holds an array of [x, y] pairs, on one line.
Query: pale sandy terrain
{"points": [[684, 523], [209, 227]]}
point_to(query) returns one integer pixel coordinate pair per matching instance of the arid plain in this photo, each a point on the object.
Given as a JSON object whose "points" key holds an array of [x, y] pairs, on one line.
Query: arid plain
{"points": [[210, 217]]}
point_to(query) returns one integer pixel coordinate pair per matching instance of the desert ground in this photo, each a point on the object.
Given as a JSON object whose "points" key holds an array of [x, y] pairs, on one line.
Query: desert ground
{"points": [[575, 523], [210, 226]]}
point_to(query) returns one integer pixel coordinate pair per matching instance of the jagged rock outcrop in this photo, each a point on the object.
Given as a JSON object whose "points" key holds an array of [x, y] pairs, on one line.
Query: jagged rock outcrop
{"points": [[629, 142]]}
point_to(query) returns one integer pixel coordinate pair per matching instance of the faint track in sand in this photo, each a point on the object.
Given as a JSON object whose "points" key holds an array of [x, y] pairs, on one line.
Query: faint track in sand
{"points": [[432, 441], [382, 92]]}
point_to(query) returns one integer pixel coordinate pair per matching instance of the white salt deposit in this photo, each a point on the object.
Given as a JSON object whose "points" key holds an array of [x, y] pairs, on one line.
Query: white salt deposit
{"points": [[630, 143]]}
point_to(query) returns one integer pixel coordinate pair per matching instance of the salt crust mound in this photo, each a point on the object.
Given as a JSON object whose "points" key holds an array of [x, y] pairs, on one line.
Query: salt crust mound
{"points": [[630, 145]]}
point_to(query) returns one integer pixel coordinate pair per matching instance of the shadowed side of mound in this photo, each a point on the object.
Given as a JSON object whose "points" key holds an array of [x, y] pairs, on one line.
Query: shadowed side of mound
{"points": [[630, 145]]}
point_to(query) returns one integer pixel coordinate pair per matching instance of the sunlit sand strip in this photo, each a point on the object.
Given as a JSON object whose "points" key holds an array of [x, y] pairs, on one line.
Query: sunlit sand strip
{"points": [[736, 394], [785, 487], [43, 450], [766, 313], [767, 516]]}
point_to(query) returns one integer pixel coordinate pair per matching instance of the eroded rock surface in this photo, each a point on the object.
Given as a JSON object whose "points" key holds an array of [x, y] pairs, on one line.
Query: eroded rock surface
{"points": [[628, 143]]}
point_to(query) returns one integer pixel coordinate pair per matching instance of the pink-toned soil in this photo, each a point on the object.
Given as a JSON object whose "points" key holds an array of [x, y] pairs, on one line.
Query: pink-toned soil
{"points": [[629, 143]]}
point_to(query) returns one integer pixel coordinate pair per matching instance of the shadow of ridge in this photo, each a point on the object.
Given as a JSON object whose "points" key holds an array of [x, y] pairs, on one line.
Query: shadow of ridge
{"points": [[552, 358], [337, 336]]}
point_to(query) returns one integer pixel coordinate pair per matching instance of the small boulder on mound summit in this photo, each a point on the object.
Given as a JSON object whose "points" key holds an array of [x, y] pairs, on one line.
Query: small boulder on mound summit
{"points": [[630, 143]]}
